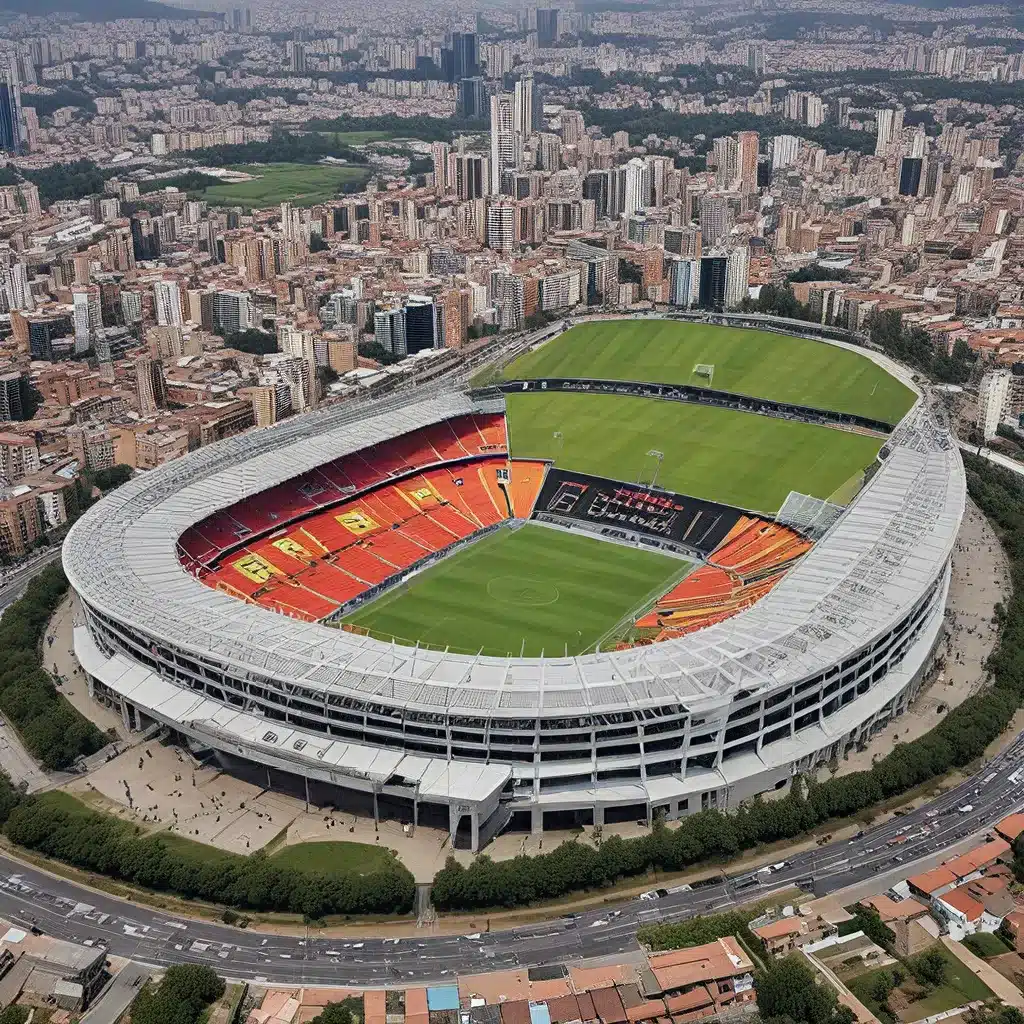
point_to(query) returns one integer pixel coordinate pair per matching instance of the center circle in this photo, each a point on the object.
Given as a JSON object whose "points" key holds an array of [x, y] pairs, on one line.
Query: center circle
{"points": [[522, 590]]}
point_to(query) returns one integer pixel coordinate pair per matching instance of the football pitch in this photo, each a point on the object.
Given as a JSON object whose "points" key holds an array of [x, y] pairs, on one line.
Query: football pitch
{"points": [[522, 592], [750, 362], [736, 458]]}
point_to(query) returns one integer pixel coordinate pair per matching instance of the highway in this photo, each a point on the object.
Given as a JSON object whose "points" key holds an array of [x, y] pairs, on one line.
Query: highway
{"points": [[70, 911]]}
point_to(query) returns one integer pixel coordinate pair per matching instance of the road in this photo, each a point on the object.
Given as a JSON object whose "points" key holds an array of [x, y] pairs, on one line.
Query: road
{"points": [[13, 583], [70, 911]]}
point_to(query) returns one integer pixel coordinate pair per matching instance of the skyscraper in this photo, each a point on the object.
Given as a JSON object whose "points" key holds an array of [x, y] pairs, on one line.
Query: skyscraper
{"points": [[755, 58], [505, 144], [726, 157], [638, 186], [527, 113], [715, 218], [910, 175], [889, 124], [713, 274], [547, 26], [150, 386], [748, 144], [167, 303], [11, 123], [472, 98], [465, 62], [683, 281]]}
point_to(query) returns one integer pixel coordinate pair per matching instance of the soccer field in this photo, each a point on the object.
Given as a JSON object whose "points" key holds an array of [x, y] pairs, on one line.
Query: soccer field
{"points": [[733, 457], [524, 592], [750, 362]]}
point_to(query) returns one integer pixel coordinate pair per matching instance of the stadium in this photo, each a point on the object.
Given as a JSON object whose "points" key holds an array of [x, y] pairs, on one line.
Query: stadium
{"points": [[649, 566]]}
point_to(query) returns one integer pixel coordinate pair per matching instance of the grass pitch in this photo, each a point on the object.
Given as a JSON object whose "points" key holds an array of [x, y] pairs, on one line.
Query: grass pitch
{"points": [[733, 457], [750, 362], [525, 592], [299, 184]]}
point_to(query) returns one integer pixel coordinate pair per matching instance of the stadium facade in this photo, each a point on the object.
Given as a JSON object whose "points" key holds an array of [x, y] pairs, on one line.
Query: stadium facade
{"points": [[834, 652]]}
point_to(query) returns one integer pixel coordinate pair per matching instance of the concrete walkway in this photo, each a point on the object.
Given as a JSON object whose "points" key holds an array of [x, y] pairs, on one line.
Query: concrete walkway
{"points": [[1006, 990]]}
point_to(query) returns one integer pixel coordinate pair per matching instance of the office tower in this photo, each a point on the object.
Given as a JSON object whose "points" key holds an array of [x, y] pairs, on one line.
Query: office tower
{"points": [[505, 144], [232, 312], [596, 188], [713, 274], [145, 236], [11, 387], [910, 175], [501, 227], [296, 53], [167, 303], [44, 330], [389, 329], [472, 103], [889, 125], [785, 151], [150, 386], [465, 61], [15, 292], [755, 58], [638, 186], [526, 110], [715, 218], [87, 315], [726, 157], [471, 176], [11, 122], [547, 26], [423, 324], [683, 281], [747, 147]]}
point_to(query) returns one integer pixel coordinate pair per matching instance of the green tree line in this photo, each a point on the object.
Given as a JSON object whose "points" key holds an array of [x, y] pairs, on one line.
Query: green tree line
{"points": [[61, 827], [52, 730], [181, 998], [956, 741], [282, 148]]}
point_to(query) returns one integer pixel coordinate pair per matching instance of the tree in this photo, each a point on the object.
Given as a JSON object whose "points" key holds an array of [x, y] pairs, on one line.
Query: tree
{"points": [[334, 1013], [929, 967], [255, 342], [788, 988]]}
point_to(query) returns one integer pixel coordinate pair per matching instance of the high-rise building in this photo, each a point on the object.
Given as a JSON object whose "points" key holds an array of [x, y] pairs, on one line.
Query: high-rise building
{"points": [[526, 110], [785, 151], [232, 312], [755, 58], [423, 324], [12, 130], [713, 276], [389, 329], [88, 316], [726, 157], [910, 175], [715, 219], [470, 173], [547, 26], [683, 281], [296, 53], [748, 144], [472, 102], [167, 303], [888, 126], [737, 282], [12, 388], [465, 59], [842, 111], [993, 400], [638, 186], [150, 386], [505, 142], [501, 226]]}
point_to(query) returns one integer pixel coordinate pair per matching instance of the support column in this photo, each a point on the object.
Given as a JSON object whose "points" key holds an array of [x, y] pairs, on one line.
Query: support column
{"points": [[90, 682], [454, 817], [305, 779], [415, 813], [598, 814], [376, 816], [124, 715], [474, 825], [136, 718], [536, 821]]}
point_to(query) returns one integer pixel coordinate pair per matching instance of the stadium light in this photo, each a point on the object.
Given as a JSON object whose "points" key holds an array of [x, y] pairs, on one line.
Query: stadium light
{"points": [[660, 457]]}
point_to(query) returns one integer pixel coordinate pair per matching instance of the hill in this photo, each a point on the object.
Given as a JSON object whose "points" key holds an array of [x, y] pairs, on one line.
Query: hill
{"points": [[102, 10]]}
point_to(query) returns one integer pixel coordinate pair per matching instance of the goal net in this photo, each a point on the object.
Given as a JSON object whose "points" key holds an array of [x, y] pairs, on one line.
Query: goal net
{"points": [[705, 370]]}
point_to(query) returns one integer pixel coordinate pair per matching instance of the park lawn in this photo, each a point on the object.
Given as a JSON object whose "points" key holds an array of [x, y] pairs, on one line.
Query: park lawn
{"points": [[329, 857], [359, 138], [522, 592], [298, 184], [750, 362], [986, 945], [737, 458]]}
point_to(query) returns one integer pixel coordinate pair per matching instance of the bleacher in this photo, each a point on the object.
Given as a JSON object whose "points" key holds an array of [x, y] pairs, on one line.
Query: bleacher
{"points": [[464, 437], [313, 567], [754, 557], [526, 480]]}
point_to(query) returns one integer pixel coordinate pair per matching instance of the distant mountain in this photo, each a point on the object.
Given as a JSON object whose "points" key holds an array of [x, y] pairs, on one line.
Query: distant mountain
{"points": [[101, 10]]}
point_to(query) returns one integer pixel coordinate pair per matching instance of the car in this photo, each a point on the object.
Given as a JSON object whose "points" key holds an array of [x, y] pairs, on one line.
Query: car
{"points": [[966, 809], [651, 894]]}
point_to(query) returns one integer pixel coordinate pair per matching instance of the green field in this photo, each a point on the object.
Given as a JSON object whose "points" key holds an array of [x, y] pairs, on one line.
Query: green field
{"points": [[358, 138], [524, 592], [750, 362], [299, 184], [737, 458], [330, 857]]}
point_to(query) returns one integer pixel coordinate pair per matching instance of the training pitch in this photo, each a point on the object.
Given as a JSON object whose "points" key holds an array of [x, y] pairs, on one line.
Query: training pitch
{"points": [[750, 362], [522, 592], [737, 458]]}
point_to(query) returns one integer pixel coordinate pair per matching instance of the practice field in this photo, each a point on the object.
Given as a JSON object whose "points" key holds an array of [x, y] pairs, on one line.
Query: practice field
{"points": [[524, 592], [733, 457], [749, 362], [299, 184]]}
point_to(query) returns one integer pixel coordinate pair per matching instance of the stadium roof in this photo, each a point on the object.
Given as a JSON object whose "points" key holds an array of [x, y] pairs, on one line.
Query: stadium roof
{"points": [[870, 569]]}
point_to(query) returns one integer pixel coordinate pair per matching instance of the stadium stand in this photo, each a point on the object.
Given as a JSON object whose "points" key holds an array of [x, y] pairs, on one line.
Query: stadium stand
{"points": [[335, 482], [754, 557], [526, 480], [334, 554]]}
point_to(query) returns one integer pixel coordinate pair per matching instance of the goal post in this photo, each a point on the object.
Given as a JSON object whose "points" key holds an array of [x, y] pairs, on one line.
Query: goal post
{"points": [[705, 370]]}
